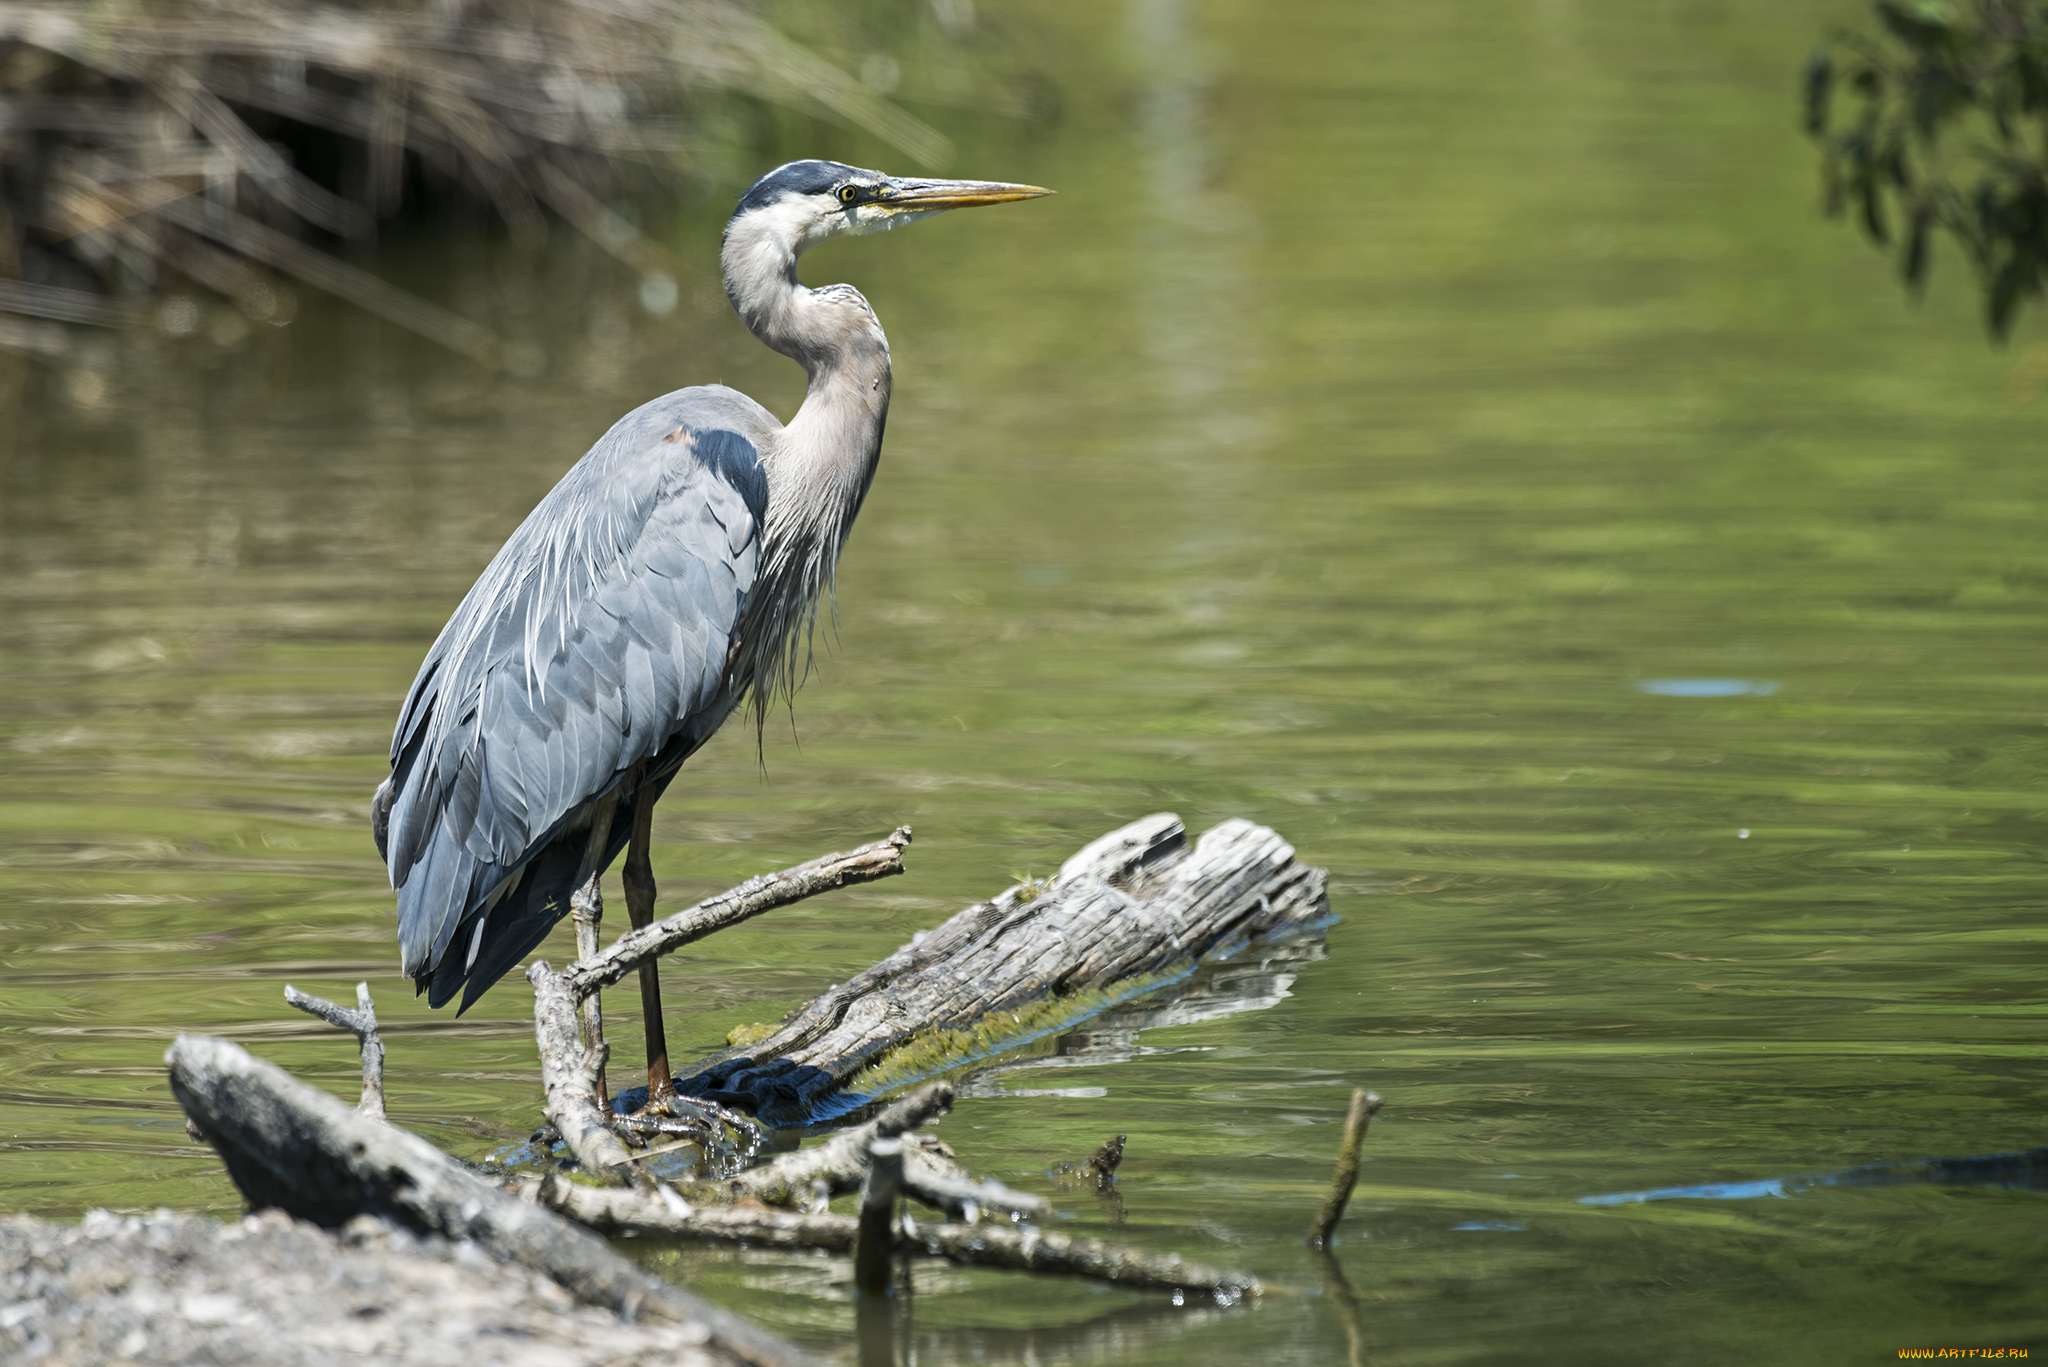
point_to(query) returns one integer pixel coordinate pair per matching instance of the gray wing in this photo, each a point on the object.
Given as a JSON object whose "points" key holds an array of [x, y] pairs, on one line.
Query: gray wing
{"points": [[597, 636]]}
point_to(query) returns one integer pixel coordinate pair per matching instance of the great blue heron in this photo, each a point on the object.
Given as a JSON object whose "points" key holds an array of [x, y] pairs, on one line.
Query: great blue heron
{"points": [[673, 573]]}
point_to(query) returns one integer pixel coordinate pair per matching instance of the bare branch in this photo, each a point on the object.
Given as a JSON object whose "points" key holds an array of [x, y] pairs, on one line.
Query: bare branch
{"points": [[362, 1023], [65, 305], [568, 1074], [527, 104], [257, 159], [882, 859]]}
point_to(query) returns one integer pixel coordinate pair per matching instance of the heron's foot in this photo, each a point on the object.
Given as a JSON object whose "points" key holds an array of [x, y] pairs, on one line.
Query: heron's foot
{"points": [[727, 1141], [672, 1112]]}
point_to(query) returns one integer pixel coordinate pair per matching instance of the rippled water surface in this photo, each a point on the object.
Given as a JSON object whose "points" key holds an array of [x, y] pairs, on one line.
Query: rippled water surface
{"points": [[1447, 435]]}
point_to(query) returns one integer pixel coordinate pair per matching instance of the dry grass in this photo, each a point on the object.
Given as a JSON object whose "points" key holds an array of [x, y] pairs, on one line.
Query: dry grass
{"points": [[147, 145]]}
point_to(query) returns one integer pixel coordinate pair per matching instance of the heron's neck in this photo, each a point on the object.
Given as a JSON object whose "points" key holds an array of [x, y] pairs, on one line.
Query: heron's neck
{"points": [[822, 462], [831, 445]]}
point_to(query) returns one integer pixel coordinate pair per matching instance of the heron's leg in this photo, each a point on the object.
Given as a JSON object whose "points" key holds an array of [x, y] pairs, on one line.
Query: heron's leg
{"points": [[639, 880]]}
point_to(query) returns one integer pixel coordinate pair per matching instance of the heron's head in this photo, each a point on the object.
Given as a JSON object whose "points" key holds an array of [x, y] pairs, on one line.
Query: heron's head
{"points": [[803, 203]]}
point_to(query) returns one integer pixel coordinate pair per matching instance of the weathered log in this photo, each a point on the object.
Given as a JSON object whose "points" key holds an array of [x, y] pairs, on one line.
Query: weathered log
{"points": [[293, 1147], [770, 890], [1131, 912], [362, 1023], [1018, 1248]]}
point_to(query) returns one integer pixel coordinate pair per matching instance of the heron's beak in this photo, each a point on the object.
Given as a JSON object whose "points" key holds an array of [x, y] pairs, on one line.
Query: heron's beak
{"points": [[930, 196]]}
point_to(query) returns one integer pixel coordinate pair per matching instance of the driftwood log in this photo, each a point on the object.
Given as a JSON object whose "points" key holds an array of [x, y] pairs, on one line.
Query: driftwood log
{"points": [[292, 1147], [1131, 912]]}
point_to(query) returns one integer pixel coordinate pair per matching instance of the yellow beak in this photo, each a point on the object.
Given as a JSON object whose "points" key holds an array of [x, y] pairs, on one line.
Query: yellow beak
{"points": [[930, 196]]}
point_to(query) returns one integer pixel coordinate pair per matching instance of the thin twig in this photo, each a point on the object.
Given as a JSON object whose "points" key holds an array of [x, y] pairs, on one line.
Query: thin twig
{"points": [[64, 305], [1364, 1105], [220, 125], [362, 1023]]}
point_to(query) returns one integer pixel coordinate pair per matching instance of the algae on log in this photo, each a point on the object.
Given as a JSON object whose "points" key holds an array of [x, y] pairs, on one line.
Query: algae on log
{"points": [[1131, 912]]}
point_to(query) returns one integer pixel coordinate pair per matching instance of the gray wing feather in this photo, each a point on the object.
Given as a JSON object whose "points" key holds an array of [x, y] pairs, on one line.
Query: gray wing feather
{"points": [[597, 635]]}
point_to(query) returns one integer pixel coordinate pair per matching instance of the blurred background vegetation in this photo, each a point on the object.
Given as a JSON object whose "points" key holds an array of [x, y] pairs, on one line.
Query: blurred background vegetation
{"points": [[153, 155], [1947, 134]]}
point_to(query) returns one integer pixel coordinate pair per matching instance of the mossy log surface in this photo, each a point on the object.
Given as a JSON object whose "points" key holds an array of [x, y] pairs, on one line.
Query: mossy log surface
{"points": [[1135, 910]]}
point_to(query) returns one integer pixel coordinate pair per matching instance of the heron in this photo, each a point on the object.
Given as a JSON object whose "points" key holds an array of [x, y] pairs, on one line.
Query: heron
{"points": [[673, 576]]}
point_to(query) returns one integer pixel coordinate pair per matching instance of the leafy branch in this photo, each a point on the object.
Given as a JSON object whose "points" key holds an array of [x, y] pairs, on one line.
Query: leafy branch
{"points": [[1949, 133]]}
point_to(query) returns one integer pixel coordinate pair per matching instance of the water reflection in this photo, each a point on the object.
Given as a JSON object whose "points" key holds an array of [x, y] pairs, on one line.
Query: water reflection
{"points": [[2018, 1171], [1707, 688], [1226, 989]]}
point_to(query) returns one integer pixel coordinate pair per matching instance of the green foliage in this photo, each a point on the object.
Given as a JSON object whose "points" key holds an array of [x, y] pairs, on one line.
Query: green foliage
{"points": [[1949, 134]]}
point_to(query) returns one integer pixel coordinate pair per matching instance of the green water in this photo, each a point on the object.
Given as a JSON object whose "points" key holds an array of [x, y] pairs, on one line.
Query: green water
{"points": [[1392, 395]]}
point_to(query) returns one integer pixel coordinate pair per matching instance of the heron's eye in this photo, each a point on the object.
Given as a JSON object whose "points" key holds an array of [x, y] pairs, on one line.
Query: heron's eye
{"points": [[848, 194]]}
